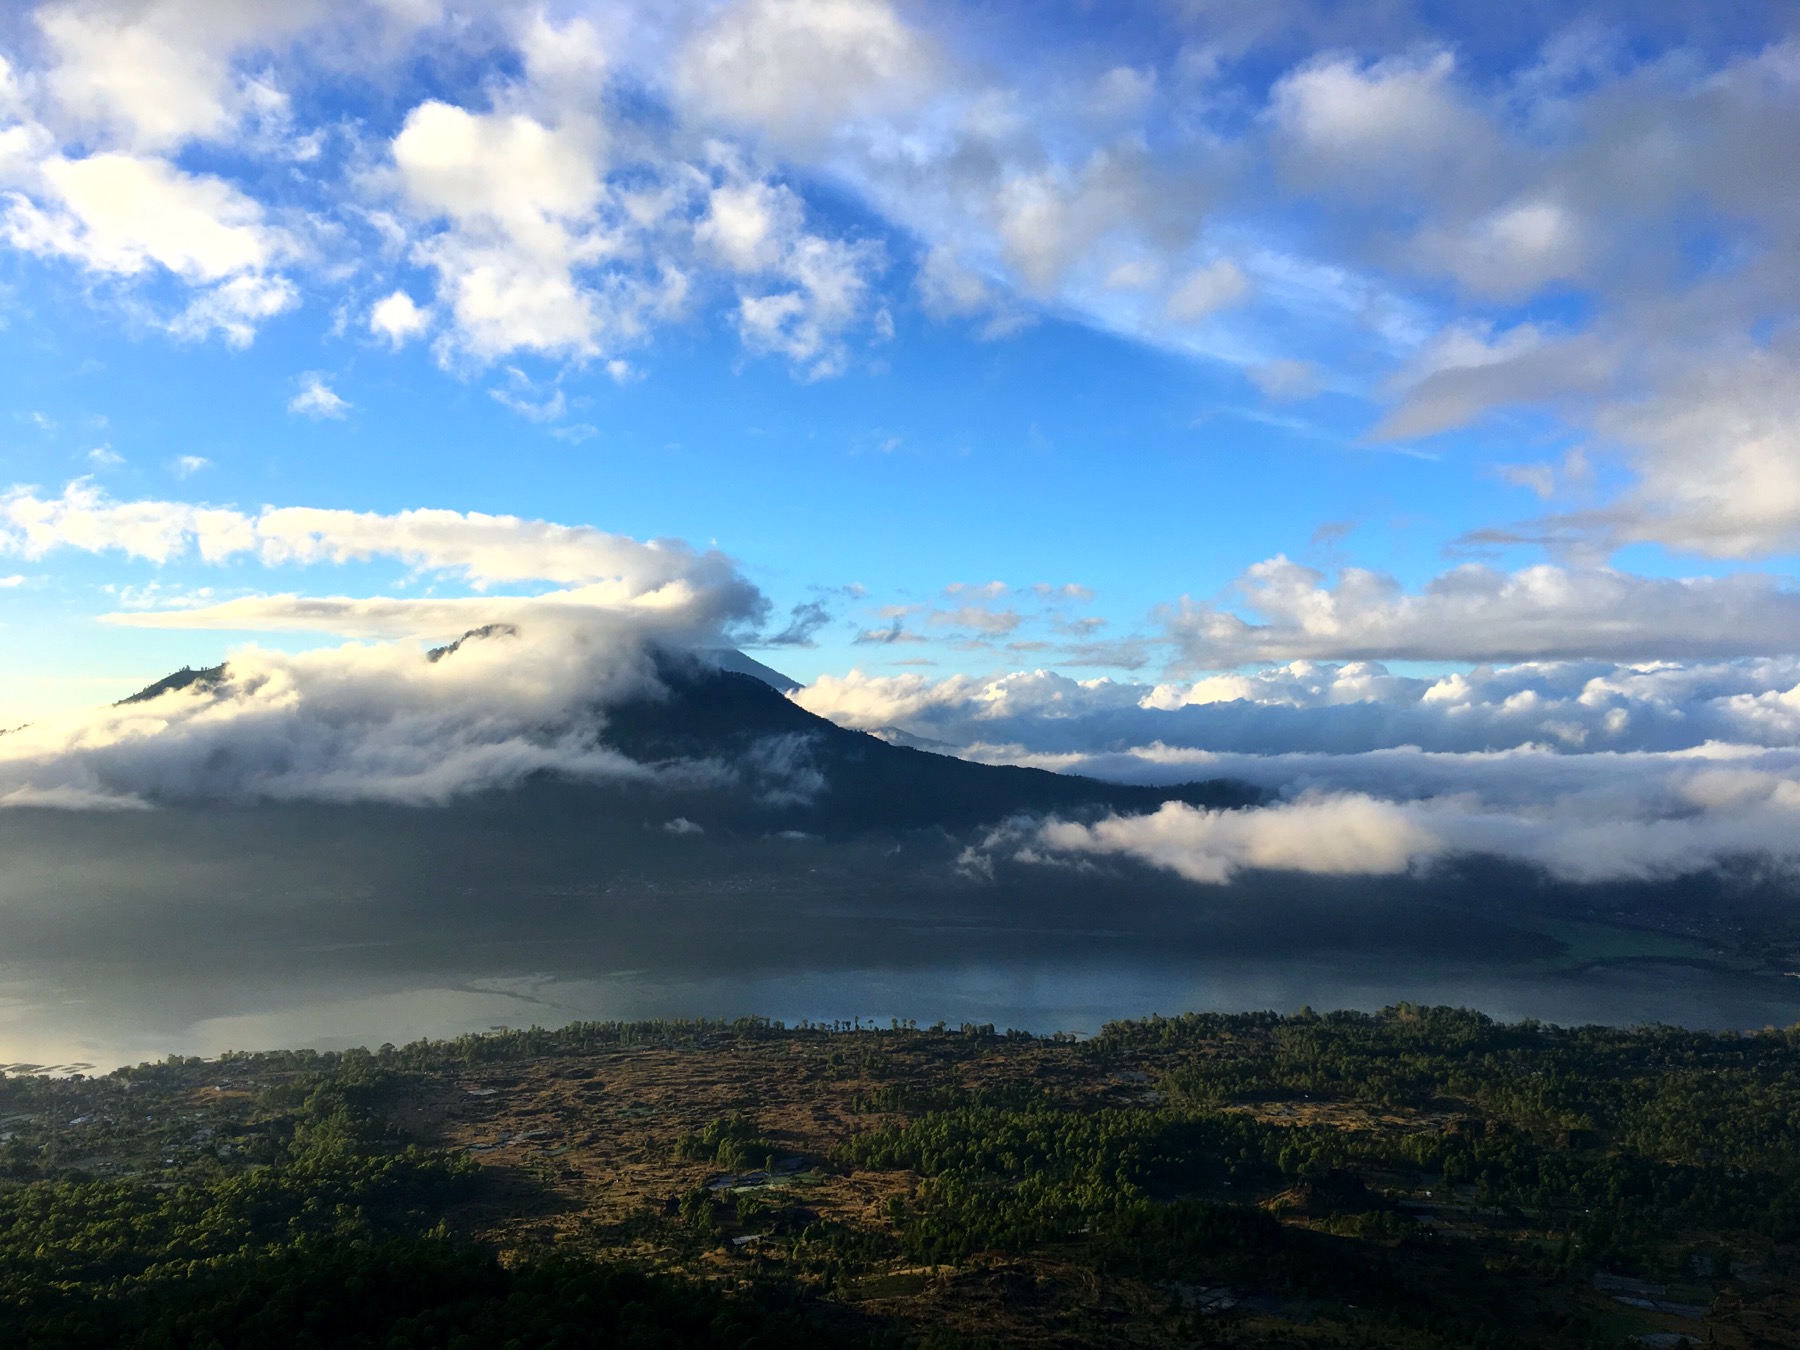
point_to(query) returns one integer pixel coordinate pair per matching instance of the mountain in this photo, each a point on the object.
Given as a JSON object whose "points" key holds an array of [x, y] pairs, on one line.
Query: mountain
{"points": [[760, 830], [737, 753], [794, 769], [185, 678]]}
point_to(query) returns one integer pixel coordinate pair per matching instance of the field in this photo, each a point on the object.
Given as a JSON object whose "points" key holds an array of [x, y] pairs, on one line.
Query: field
{"points": [[1423, 1177]]}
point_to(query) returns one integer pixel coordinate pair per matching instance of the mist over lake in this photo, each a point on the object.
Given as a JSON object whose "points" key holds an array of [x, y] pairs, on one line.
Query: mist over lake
{"points": [[183, 931]]}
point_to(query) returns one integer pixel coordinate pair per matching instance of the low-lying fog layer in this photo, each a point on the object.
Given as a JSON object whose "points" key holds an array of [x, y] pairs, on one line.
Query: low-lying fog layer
{"points": [[396, 821], [196, 929], [1593, 772]]}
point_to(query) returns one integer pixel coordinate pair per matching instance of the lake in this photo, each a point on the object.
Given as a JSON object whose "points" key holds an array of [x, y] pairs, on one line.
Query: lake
{"points": [[74, 1014]]}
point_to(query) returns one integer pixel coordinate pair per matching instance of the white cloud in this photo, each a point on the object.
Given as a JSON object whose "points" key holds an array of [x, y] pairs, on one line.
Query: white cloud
{"points": [[807, 324], [1212, 287], [566, 65], [1122, 93], [1477, 613], [948, 289], [1467, 369], [157, 74], [680, 613], [123, 213], [1138, 730], [750, 226], [994, 622], [983, 590], [1718, 448], [798, 69], [1539, 478], [1378, 195], [11, 583], [398, 319], [186, 466], [540, 410], [1051, 221], [520, 197], [317, 399], [1365, 129], [1652, 817], [481, 549], [236, 308], [355, 723], [1346, 835], [502, 171], [1285, 378], [1514, 250]]}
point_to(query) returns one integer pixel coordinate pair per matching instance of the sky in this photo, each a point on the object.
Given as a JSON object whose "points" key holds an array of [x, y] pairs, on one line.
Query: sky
{"points": [[1397, 403]]}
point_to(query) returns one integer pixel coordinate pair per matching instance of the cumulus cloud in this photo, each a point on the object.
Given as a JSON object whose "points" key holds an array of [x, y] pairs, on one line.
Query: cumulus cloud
{"points": [[1718, 448], [124, 213], [317, 399], [1363, 127], [398, 319], [1589, 770], [806, 320], [236, 309], [1478, 613], [523, 692], [798, 69], [1141, 730], [749, 226], [1654, 817], [1349, 834], [519, 197], [124, 216], [559, 219], [481, 549], [950, 289], [158, 74]]}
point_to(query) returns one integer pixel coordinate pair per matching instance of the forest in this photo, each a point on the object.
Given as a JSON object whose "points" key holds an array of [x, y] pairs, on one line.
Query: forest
{"points": [[1418, 1177]]}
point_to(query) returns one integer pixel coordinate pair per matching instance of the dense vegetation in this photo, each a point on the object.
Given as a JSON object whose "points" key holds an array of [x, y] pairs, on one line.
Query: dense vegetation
{"points": [[336, 1243], [1420, 1177]]}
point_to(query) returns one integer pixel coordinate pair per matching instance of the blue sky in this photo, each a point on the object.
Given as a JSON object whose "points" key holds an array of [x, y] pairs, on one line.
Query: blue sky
{"points": [[882, 300]]}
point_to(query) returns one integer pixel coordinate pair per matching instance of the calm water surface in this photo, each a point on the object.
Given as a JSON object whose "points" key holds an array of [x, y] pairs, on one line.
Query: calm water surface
{"points": [[75, 1014]]}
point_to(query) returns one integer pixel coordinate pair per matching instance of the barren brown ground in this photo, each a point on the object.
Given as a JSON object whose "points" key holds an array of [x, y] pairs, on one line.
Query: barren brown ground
{"points": [[581, 1149]]}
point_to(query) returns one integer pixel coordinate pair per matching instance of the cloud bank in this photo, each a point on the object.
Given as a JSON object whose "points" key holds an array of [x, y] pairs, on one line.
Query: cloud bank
{"points": [[388, 720], [664, 581], [1589, 770], [1631, 818], [353, 723]]}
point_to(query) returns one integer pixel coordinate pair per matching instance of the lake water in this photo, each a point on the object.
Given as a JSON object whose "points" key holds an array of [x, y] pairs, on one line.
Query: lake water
{"points": [[71, 1015], [132, 936]]}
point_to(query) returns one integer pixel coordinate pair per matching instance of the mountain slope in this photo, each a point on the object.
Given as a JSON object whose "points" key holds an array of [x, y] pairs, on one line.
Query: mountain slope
{"points": [[800, 770]]}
